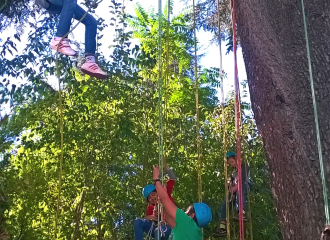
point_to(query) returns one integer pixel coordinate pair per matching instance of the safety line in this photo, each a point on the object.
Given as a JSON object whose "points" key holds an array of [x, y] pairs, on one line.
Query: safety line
{"points": [[238, 132], [319, 146]]}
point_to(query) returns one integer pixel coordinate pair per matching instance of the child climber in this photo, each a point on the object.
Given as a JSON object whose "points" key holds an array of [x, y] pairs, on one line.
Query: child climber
{"points": [[233, 187], [149, 223], [185, 225], [69, 9]]}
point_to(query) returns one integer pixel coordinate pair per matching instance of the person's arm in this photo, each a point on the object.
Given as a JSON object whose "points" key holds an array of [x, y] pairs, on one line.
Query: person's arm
{"points": [[169, 186], [163, 196]]}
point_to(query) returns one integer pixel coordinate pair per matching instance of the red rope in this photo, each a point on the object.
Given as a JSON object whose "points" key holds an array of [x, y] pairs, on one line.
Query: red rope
{"points": [[238, 130]]}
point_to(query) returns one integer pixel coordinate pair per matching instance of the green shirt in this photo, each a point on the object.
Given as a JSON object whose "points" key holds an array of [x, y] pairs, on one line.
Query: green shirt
{"points": [[185, 228]]}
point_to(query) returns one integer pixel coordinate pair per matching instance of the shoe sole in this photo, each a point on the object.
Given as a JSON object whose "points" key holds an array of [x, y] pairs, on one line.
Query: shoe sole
{"points": [[96, 75]]}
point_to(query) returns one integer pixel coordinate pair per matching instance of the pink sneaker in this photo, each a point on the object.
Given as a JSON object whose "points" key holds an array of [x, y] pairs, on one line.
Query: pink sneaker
{"points": [[92, 69], [64, 47]]}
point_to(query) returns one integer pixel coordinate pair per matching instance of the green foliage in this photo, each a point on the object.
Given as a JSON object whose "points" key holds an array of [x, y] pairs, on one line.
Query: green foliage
{"points": [[111, 135]]}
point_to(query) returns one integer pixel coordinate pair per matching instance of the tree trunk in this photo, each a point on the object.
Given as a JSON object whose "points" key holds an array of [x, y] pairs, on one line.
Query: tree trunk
{"points": [[274, 49], [79, 209]]}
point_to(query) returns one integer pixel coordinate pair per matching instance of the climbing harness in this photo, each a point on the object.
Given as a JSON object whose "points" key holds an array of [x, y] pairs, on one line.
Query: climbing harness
{"points": [[149, 235], [319, 146], [238, 132]]}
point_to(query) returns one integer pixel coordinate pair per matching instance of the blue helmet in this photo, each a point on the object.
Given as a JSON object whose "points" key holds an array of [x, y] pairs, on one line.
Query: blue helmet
{"points": [[230, 154], [147, 190], [203, 214]]}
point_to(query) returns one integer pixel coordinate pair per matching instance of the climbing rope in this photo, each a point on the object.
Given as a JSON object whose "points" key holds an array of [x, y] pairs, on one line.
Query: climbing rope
{"points": [[238, 132], [319, 146], [199, 162], [249, 207], [246, 177], [224, 142], [166, 73], [224, 125], [61, 156], [3, 5], [160, 108], [160, 89], [58, 73]]}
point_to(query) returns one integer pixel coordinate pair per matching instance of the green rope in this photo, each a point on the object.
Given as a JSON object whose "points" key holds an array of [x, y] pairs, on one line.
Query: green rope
{"points": [[160, 101], [61, 156], [325, 194], [160, 88], [166, 74], [249, 207], [3, 5]]}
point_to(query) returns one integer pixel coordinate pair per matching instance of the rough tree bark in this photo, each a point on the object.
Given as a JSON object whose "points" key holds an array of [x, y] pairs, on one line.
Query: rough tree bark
{"points": [[274, 49]]}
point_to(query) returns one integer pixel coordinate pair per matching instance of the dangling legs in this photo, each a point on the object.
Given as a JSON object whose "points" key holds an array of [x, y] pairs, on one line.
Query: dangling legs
{"points": [[90, 29], [89, 67], [67, 9], [244, 198], [222, 231], [141, 226]]}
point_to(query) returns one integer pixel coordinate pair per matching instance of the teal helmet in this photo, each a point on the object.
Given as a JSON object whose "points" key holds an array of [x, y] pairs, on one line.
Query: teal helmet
{"points": [[203, 214], [147, 190], [230, 154]]}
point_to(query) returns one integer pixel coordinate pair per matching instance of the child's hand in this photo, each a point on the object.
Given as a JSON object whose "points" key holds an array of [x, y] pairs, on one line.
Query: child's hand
{"points": [[155, 174], [151, 218]]}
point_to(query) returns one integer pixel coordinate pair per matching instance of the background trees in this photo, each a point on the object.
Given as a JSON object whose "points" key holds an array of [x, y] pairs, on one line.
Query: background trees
{"points": [[110, 134]]}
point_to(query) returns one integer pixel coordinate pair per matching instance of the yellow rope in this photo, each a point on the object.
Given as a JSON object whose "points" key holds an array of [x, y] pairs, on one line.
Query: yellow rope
{"points": [[199, 162], [58, 73], [160, 106], [223, 126], [61, 156]]}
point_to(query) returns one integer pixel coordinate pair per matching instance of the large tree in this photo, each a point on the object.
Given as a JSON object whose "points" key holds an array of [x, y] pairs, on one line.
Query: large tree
{"points": [[274, 49]]}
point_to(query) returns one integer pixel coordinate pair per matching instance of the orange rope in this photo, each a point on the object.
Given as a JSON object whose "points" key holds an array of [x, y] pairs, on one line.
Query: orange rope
{"points": [[238, 126]]}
